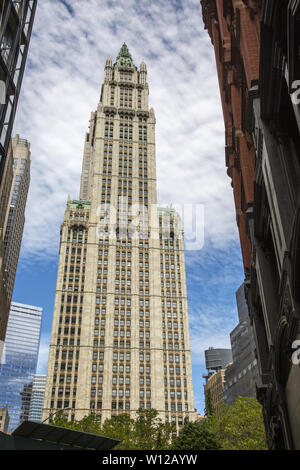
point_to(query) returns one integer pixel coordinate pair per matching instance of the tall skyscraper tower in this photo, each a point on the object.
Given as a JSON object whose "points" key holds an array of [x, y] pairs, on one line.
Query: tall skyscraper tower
{"points": [[120, 334], [15, 218]]}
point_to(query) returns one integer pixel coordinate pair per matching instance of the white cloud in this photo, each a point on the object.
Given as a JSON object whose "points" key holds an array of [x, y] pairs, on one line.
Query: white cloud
{"points": [[62, 86]]}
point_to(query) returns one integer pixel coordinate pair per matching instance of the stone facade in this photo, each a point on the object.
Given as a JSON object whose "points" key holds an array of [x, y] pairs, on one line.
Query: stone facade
{"points": [[16, 26], [120, 334]]}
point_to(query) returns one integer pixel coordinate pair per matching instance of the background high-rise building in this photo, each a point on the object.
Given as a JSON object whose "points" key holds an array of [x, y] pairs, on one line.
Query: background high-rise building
{"points": [[120, 333], [15, 218], [37, 398], [242, 376], [216, 359], [216, 362], [21, 354]]}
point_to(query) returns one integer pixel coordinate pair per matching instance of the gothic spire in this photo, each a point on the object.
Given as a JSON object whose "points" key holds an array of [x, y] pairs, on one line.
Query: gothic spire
{"points": [[124, 57]]}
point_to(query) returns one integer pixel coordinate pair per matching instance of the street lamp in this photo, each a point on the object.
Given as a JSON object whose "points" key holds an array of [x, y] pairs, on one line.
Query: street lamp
{"points": [[53, 414]]}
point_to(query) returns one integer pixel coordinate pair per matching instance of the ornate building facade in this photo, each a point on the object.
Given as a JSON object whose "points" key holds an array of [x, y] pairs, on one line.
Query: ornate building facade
{"points": [[120, 334], [256, 44]]}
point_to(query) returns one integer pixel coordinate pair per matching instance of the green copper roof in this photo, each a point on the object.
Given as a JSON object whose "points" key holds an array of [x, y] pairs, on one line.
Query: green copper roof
{"points": [[80, 205], [166, 210], [124, 57]]}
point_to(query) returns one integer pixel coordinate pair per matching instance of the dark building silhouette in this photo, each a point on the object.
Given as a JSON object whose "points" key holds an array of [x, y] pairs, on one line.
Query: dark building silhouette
{"points": [[242, 376], [16, 20], [257, 45]]}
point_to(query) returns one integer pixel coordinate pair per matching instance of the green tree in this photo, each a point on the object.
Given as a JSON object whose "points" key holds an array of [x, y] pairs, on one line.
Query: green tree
{"points": [[150, 432], [209, 409], [122, 428], [87, 424], [240, 426], [196, 435]]}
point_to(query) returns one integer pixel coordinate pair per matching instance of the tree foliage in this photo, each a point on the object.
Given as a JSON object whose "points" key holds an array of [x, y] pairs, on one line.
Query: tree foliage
{"points": [[240, 426], [146, 432], [236, 427], [196, 435], [120, 427]]}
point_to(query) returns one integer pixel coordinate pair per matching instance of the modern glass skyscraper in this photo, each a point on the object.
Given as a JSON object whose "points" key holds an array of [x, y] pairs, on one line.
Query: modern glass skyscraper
{"points": [[120, 333], [20, 360]]}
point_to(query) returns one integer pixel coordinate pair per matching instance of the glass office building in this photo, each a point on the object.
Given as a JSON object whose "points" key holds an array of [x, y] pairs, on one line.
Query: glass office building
{"points": [[19, 364]]}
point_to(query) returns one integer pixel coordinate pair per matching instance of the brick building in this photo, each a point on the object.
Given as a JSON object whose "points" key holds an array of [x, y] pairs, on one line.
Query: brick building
{"points": [[256, 45]]}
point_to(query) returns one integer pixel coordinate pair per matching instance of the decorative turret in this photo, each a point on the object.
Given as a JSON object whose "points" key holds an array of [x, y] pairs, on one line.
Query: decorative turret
{"points": [[108, 69], [124, 58], [143, 73]]}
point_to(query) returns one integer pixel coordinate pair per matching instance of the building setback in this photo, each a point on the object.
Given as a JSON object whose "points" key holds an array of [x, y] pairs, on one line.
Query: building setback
{"points": [[20, 361], [120, 333], [257, 53]]}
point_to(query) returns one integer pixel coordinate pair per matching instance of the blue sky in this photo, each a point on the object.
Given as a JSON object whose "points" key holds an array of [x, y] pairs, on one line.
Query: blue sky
{"points": [[62, 83]]}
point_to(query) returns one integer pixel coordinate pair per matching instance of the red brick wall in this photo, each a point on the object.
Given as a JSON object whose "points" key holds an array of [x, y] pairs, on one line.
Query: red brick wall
{"points": [[241, 18]]}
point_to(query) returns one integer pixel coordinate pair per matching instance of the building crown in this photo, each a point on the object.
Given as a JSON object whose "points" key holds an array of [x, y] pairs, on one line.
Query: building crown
{"points": [[124, 57]]}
